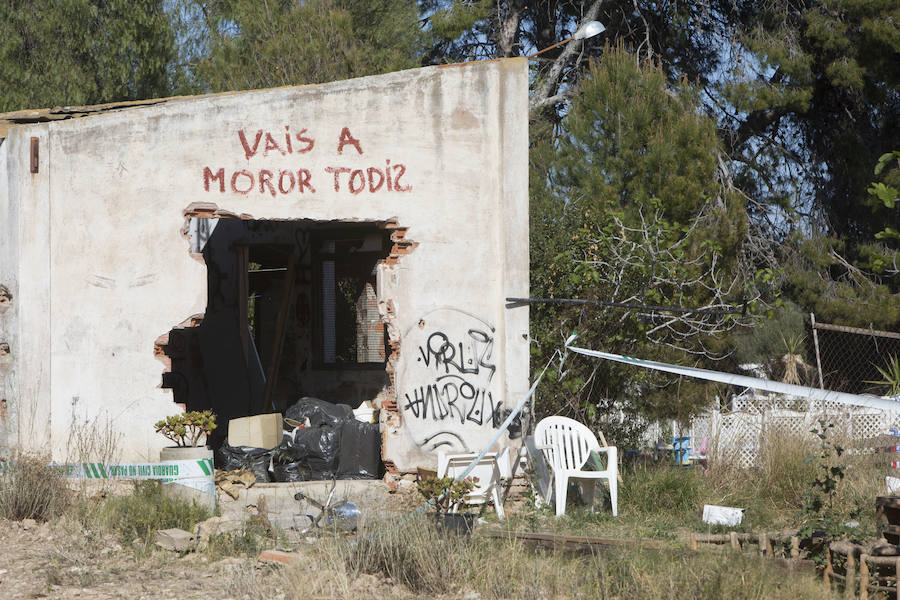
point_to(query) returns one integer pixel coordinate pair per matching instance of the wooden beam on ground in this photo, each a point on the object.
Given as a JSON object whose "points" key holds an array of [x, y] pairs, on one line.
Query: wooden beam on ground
{"points": [[572, 542]]}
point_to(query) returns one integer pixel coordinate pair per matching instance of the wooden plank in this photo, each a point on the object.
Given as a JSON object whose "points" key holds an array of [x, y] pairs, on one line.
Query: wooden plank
{"points": [[850, 570], [845, 329], [897, 577], [278, 342], [572, 541], [887, 501], [881, 561], [863, 577]]}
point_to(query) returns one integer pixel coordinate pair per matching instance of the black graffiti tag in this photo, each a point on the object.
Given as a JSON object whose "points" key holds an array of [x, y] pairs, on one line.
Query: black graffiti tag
{"points": [[442, 353], [460, 389]]}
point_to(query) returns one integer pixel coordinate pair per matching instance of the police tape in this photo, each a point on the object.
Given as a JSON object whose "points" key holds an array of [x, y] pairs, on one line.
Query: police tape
{"points": [[166, 471]]}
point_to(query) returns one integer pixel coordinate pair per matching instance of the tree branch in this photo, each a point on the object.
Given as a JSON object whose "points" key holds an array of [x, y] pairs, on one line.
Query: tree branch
{"points": [[552, 78]]}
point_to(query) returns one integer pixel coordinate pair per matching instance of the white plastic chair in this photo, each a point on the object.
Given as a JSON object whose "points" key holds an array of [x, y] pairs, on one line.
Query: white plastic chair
{"points": [[567, 445], [490, 471]]}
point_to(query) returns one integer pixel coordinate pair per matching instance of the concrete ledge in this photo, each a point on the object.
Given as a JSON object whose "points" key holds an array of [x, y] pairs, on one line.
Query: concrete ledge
{"points": [[370, 495]]}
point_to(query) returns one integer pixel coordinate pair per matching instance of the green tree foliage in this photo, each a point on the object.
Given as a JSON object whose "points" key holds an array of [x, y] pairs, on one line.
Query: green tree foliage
{"points": [[886, 193], [627, 206], [819, 78], [76, 52], [243, 44], [852, 282], [804, 92]]}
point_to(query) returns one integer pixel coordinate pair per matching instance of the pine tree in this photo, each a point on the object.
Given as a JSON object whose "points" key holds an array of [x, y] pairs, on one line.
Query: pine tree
{"points": [[76, 52], [631, 209], [244, 44]]}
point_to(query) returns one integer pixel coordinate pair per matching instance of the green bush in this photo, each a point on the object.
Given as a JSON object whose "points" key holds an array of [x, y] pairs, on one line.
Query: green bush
{"points": [[769, 338], [31, 489], [137, 517], [414, 554], [250, 540], [665, 489], [429, 564]]}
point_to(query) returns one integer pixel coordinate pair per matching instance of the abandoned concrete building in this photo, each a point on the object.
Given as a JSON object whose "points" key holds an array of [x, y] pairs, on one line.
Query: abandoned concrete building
{"points": [[352, 241]]}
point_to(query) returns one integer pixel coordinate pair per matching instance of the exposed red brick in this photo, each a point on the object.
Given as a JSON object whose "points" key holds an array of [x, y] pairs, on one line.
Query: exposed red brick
{"points": [[209, 210], [200, 209], [401, 246], [278, 556]]}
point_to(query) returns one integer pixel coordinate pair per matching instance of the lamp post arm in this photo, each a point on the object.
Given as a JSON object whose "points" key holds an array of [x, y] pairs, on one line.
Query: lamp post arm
{"points": [[551, 80], [559, 43]]}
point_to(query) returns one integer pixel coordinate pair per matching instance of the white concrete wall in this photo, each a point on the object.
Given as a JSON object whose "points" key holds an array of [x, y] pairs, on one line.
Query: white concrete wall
{"points": [[26, 265], [9, 278], [104, 269]]}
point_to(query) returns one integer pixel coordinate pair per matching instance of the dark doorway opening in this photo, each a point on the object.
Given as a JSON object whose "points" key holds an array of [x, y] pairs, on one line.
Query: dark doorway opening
{"points": [[292, 311]]}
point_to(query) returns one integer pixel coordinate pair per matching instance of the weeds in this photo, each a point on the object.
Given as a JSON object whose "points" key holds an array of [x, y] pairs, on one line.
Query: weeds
{"points": [[92, 440], [32, 489], [250, 540], [429, 564], [135, 518], [414, 554]]}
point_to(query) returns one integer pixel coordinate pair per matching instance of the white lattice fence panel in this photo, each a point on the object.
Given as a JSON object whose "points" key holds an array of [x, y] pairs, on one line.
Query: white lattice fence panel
{"points": [[736, 435]]}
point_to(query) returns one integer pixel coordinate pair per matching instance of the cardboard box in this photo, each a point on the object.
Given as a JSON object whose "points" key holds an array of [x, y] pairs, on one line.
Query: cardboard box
{"points": [[260, 431]]}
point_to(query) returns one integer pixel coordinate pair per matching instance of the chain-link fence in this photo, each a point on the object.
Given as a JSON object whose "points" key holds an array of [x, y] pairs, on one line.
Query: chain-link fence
{"points": [[847, 358]]}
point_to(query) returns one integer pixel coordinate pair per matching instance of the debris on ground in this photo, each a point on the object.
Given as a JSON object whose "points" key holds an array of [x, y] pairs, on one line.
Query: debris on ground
{"points": [[279, 556], [175, 540], [231, 482]]}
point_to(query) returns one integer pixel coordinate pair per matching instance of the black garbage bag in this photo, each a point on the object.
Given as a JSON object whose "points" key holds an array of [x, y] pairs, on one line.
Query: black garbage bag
{"points": [[319, 413], [360, 452], [295, 471], [234, 458], [314, 448]]}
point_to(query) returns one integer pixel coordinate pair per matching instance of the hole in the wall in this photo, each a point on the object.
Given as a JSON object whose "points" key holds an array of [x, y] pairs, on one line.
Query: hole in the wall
{"points": [[292, 311]]}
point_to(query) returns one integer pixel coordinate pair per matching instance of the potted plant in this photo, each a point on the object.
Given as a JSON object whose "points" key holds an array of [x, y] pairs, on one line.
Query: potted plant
{"points": [[186, 430], [443, 493]]}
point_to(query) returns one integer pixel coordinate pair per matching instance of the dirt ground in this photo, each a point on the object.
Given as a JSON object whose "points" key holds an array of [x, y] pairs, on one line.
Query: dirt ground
{"points": [[55, 561], [52, 561]]}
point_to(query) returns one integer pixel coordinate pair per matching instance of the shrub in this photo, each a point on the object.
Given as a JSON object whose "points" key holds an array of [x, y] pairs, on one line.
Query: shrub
{"points": [[31, 489], [662, 489], [137, 516], [429, 564], [250, 540], [413, 554]]}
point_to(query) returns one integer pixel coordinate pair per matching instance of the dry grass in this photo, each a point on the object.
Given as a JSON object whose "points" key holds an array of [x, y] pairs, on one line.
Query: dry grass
{"points": [[31, 489], [426, 563], [133, 519], [774, 489], [92, 440]]}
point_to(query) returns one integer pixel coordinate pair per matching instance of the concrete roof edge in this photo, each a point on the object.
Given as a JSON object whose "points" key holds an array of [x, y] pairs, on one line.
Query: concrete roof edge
{"points": [[17, 118]]}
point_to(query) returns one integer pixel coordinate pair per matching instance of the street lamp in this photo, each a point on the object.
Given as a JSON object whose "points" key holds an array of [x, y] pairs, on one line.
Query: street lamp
{"points": [[588, 30]]}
